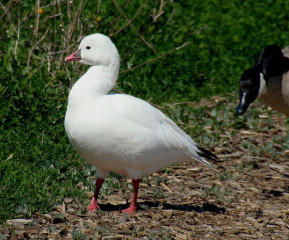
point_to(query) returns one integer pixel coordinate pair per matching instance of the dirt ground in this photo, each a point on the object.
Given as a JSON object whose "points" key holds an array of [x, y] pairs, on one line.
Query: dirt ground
{"points": [[245, 198]]}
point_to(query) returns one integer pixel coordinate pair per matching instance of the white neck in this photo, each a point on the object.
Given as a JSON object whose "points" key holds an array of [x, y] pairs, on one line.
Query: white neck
{"points": [[97, 81]]}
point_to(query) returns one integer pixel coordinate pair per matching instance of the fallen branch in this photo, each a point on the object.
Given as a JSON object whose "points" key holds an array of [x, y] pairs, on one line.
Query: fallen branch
{"points": [[18, 30], [34, 47], [159, 57], [129, 22], [37, 19], [231, 95], [160, 12], [134, 28], [6, 11], [232, 155], [178, 103], [166, 187], [114, 21], [69, 32]]}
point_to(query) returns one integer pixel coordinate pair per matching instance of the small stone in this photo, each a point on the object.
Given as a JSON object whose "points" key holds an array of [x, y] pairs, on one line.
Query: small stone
{"points": [[195, 169], [44, 231], [18, 222], [68, 200], [47, 216]]}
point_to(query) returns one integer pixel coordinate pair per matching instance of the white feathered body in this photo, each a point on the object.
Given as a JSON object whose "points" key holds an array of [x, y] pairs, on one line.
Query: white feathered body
{"points": [[126, 135], [123, 134]]}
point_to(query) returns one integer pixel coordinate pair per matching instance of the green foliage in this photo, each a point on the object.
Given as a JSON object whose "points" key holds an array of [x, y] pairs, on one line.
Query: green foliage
{"points": [[38, 166], [77, 235], [223, 195]]}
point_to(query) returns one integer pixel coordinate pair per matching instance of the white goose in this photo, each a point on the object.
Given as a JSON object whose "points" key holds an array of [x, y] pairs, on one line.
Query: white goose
{"points": [[120, 133]]}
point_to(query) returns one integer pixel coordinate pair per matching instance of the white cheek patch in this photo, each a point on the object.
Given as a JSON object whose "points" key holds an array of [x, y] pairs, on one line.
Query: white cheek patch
{"points": [[262, 88], [243, 100]]}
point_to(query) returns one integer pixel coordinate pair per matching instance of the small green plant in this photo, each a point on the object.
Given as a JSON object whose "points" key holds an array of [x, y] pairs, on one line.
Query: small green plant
{"points": [[11, 230], [224, 176], [158, 191], [104, 230], [78, 235], [222, 195]]}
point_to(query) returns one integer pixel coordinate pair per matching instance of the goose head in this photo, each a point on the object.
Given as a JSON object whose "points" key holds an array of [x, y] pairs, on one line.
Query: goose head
{"points": [[254, 81], [95, 49], [249, 88]]}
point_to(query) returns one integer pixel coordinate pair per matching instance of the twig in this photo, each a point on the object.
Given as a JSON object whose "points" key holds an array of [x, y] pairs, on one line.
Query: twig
{"points": [[130, 21], [98, 7], [54, 32], [161, 11], [232, 95], [68, 12], [48, 59], [184, 27], [33, 48], [134, 28], [6, 11], [18, 31], [159, 57], [60, 14], [69, 33], [259, 158], [179, 103], [54, 16], [166, 187], [1, 190], [10, 157], [69, 77], [53, 3], [37, 19], [172, 15], [231, 155], [136, 42], [115, 19]]}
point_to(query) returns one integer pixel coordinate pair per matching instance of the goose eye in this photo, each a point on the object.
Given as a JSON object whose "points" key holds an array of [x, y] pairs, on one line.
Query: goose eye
{"points": [[88, 47]]}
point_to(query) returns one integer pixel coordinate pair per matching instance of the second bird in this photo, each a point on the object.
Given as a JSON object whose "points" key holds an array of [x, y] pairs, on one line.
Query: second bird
{"points": [[267, 80]]}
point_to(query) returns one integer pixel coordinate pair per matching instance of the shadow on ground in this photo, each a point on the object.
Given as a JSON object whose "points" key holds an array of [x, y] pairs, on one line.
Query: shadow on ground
{"points": [[207, 207]]}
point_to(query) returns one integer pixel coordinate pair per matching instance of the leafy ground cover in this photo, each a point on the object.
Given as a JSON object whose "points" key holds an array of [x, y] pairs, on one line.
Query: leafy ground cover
{"points": [[187, 50]]}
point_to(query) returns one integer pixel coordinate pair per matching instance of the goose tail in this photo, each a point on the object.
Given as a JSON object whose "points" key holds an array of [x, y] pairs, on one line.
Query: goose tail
{"points": [[207, 155]]}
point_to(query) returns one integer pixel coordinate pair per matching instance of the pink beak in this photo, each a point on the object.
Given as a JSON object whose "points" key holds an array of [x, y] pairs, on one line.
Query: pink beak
{"points": [[75, 56]]}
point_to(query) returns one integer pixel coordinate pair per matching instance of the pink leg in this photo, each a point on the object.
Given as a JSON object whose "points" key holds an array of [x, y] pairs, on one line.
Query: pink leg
{"points": [[93, 204], [133, 204]]}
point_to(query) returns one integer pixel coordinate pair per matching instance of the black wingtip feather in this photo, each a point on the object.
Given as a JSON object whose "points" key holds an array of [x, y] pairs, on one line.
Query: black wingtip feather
{"points": [[207, 154]]}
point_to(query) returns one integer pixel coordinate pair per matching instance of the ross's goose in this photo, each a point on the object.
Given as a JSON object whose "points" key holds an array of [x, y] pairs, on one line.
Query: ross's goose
{"points": [[268, 80], [120, 133]]}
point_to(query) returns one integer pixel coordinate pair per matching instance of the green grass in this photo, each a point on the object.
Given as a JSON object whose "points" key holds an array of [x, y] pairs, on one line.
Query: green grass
{"points": [[38, 166]]}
